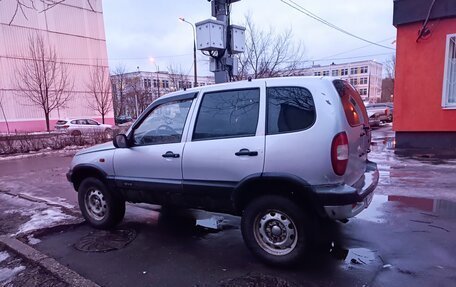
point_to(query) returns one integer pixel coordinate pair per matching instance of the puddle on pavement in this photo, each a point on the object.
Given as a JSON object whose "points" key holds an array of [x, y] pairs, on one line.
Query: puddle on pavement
{"points": [[356, 257], [377, 210]]}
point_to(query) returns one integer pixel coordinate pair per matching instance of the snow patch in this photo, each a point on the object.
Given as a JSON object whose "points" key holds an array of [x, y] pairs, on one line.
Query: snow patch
{"points": [[7, 274], [3, 256], [44, 218], [32, 240]]}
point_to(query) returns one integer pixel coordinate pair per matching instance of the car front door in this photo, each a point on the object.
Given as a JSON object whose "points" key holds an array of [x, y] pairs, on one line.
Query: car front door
{"points": [[224, 145], [151, 167]]}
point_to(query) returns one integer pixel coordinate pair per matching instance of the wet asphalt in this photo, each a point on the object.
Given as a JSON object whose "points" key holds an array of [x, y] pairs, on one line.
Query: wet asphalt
{"points": [[405, 238]]}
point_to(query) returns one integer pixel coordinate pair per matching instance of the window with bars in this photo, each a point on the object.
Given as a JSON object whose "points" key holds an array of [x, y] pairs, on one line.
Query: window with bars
{"points": [[449, 79]]}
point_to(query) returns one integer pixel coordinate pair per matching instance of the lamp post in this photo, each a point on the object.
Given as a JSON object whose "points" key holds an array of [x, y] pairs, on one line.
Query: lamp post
{"points": [[152, 60], [195, 82]]}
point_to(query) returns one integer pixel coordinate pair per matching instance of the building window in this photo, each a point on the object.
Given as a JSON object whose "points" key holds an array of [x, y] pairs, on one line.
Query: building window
{"points": [[317, 73], [354, 81], [449, 78], [353, 71], [335, 73], [344, 72], [364, 70], [325, 73], [147, 83], [189, 84], [155, 83], [166, 84], [363, 81], [363, 92]]}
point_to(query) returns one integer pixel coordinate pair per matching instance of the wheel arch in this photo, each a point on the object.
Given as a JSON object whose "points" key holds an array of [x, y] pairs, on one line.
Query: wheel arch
{"points": [[282, 184], [82, 171]]}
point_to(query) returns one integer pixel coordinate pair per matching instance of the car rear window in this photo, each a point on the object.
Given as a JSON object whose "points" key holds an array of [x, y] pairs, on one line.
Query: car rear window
{"points": [[61, 122], [353, 105], [289, 109]]}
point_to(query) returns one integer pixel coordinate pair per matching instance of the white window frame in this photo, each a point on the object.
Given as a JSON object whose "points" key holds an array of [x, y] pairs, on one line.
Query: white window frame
{"points": [[445, 103]]}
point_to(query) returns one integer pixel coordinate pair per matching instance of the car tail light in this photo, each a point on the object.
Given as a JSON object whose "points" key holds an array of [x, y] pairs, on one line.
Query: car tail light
{"points": [[386, 111], [339, 153]]}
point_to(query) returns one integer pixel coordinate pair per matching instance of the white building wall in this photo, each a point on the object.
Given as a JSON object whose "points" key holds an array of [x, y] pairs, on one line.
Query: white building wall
{"points": [[373, 75], [77, 34]]}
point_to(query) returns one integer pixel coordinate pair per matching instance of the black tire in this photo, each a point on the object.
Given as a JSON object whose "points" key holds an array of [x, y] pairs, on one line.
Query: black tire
{"points": [[254, 217], [76, 133], [108, 133], [99, 206]]}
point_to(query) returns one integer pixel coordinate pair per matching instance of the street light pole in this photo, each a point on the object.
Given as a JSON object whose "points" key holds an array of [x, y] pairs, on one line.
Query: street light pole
{"points": [[195, 80]]}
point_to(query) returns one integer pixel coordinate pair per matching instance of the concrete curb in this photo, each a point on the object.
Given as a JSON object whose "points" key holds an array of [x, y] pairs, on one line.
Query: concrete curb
{"points": [[61, 272]]}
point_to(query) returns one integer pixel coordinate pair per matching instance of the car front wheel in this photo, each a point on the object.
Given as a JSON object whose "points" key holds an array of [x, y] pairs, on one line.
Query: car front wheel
{"points": [[99, 206], [276, 230]]}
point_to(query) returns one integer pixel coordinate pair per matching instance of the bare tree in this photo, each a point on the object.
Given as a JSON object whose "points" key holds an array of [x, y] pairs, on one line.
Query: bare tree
{"points": [[3, 112], [137, 97], [99, 86], [390, 67], [118, 81], [268, 54], [177, 77], [388, 82], [23, 5], [43, 80]]}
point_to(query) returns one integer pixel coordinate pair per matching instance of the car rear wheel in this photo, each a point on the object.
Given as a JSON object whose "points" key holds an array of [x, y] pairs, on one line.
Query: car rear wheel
{"points": [[76, 133], [276, 230], [99, 206], [108, 133]]}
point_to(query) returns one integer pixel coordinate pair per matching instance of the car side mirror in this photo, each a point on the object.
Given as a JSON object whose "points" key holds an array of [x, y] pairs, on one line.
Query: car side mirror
{"points": [[120, 141]]}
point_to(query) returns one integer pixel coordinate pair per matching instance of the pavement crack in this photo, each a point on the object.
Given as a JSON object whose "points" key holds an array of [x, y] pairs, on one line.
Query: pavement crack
{"points": [[438, 227], [421, 221]]}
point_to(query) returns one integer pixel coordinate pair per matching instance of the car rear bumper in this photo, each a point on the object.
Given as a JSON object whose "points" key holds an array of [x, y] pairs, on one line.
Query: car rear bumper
{"points": [[343, 201]]}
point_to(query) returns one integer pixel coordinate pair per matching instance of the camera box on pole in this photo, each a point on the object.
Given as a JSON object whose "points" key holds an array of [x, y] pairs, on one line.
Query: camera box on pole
{"points": [[210, 35], [237, 39]]}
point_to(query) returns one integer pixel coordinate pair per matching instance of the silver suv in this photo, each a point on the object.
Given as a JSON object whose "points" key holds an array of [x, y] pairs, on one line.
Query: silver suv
{"points": [[279, 152]]}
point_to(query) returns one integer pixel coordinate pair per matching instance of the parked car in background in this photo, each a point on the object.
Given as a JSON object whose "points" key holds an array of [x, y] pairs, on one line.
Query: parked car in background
{"points": [[281, 153], [77, 127], [374, 119], [384, 111], [123, 119]]}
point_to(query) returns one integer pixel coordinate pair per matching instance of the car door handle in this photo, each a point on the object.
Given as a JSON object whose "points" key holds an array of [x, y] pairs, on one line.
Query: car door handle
{"points": [[245, 151], [170, 154]]}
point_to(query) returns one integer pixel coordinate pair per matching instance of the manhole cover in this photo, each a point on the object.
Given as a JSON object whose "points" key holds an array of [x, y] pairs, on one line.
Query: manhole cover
{"points": [[258, 280], [105, 240]]}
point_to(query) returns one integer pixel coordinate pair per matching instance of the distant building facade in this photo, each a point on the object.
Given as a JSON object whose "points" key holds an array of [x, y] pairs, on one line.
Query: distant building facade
{"points": [[425, 82], [365, 76], [134, 91], [75, 30]]}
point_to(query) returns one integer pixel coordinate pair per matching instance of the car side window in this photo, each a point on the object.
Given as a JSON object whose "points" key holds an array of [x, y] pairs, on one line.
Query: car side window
{"points": [[163, 125], [92, 122], [289, 109], [227, 114], [82, 122]]}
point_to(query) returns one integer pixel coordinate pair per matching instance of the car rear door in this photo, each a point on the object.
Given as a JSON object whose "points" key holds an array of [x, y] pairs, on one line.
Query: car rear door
{"points": [[225, 144], [358, 130]]}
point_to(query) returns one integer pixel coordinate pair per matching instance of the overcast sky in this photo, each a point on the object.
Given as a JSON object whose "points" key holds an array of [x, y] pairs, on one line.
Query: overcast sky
{"points": [[140, 29]]}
